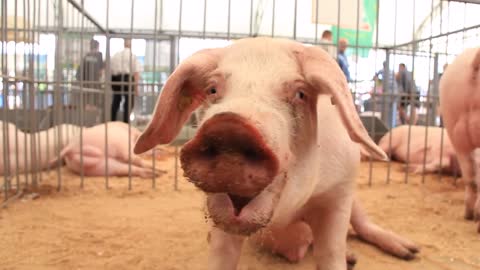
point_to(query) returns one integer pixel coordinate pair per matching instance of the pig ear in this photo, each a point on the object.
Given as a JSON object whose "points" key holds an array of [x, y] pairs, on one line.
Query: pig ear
{"points": [[182, 94], [323, 73]]}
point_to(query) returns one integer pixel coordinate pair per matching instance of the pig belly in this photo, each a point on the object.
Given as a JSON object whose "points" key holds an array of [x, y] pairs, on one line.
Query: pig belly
{"points": [[466, 132]]}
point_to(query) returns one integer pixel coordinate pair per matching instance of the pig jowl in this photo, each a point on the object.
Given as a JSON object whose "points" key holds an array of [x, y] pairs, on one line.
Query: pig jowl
{"points": [[229, 160]]}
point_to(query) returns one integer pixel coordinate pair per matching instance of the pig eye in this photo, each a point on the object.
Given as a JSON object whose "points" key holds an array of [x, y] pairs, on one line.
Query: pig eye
{"points": [[212, 91], [300, 95]]}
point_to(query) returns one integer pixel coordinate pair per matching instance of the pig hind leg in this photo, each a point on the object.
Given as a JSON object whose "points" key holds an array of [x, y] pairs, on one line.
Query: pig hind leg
{"points": [[120, 168], [468, 176], [385, 240], [291, 242]]}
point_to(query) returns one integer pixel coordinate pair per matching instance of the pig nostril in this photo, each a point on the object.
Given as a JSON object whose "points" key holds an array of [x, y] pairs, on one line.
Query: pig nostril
{"points": [[211, 151], [252, 154]]}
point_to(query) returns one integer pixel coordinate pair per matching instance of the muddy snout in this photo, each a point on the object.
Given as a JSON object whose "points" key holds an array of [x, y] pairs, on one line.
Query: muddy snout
{"points": [[229, 155]]}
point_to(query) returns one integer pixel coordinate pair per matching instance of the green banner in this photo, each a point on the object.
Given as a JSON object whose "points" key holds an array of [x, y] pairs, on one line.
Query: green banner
{"points": [[365, 31]]}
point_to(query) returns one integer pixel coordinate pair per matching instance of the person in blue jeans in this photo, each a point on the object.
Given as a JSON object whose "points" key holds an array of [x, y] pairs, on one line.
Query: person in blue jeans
{"points": [[342, 58]]}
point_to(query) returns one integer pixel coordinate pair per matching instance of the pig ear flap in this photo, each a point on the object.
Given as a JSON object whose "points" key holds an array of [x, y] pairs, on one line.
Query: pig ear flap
{"points": [[182, 94], [476, 64], [321, 72]]}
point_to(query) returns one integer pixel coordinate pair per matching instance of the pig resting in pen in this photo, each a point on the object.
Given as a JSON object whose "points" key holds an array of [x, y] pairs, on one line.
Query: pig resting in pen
{"points": [[94, 154], [460, 109], [276, 150], [46, 144], [438, 157]]}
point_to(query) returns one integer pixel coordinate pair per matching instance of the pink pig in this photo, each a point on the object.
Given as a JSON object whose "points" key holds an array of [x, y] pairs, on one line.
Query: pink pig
{"points": [[46, 147], [94, 154], [278, 144], [438, 158], [460, 108]]}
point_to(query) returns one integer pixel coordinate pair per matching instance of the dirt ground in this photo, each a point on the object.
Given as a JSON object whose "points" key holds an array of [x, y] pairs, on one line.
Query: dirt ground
{"points": [[145, 228]]}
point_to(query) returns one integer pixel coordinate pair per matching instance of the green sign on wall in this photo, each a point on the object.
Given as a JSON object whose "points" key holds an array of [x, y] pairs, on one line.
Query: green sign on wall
{"points": [[365, 32]]}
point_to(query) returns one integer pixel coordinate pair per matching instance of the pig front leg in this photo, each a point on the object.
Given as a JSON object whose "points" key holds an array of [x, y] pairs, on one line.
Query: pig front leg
{"points": [[329, 221], [474, 186], [291, 242], [225, 250], [374, 234], [468, 175]]}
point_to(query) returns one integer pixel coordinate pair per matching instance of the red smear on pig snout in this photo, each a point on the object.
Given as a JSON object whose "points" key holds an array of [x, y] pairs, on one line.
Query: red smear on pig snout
{"points": [[229, 155]]}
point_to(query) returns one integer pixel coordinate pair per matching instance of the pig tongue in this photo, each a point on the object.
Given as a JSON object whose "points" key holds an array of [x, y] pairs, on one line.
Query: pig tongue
{"points": [[255, 215]]}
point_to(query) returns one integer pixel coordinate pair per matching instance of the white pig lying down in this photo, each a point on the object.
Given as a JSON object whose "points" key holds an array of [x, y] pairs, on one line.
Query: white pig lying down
{"points": [[271, 151], [460, 108], [94, 154], [438, 159], [47, 146]]}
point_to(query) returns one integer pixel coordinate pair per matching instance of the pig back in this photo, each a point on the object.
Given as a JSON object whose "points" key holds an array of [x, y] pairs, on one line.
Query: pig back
{"points": [[460, 101]]}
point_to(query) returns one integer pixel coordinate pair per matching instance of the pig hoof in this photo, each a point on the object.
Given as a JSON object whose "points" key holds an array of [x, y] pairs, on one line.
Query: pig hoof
{"points": [[469, 214], [351, 260], [296, 255]]}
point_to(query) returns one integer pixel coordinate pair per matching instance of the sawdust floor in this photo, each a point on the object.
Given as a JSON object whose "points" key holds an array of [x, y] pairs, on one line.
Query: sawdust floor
{"points": [[94, 228]]}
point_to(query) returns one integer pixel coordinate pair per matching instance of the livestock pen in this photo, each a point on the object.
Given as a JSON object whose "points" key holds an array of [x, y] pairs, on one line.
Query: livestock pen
{"points": [[55, 218]]}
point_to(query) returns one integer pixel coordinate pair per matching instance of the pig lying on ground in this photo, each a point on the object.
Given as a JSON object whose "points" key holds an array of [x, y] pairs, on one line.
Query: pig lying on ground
{"points": [[460, 108], [47, 146], [438, 158], [94, 155], [271, 149]]}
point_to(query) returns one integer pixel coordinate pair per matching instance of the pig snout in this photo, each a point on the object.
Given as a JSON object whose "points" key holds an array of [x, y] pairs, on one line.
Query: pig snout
{"points": [[229, 155]]}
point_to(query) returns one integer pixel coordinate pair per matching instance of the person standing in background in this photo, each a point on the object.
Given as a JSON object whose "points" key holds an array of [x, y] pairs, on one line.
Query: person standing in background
{"points": [[327, 44], [125, 70], [406, 86], [89, 73], [342, 58], [91, 67]]}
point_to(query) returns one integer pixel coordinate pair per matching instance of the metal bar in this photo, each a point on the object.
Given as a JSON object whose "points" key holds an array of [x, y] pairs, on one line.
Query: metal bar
{"points": [[129, 102], [161, 14], [48, 135], [108, 84], [389, 167], [436, 36], [154, 81], [465, 1], [38, 139], [339, 14], [15, 116], [295, 20], [33, 128], [6, 171], [412, 106], [251, 17], [179, 31], [204, 18], [58, 76], [86, 14], [25, 96], [316, 21], [229, 15], [370, 173], [82, 102], [175, 183], [428, 99], [273, 18]]}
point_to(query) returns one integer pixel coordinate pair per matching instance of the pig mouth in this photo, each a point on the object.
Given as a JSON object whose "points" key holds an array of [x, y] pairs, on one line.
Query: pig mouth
{"points": [[244, 215], [231, 162]]}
